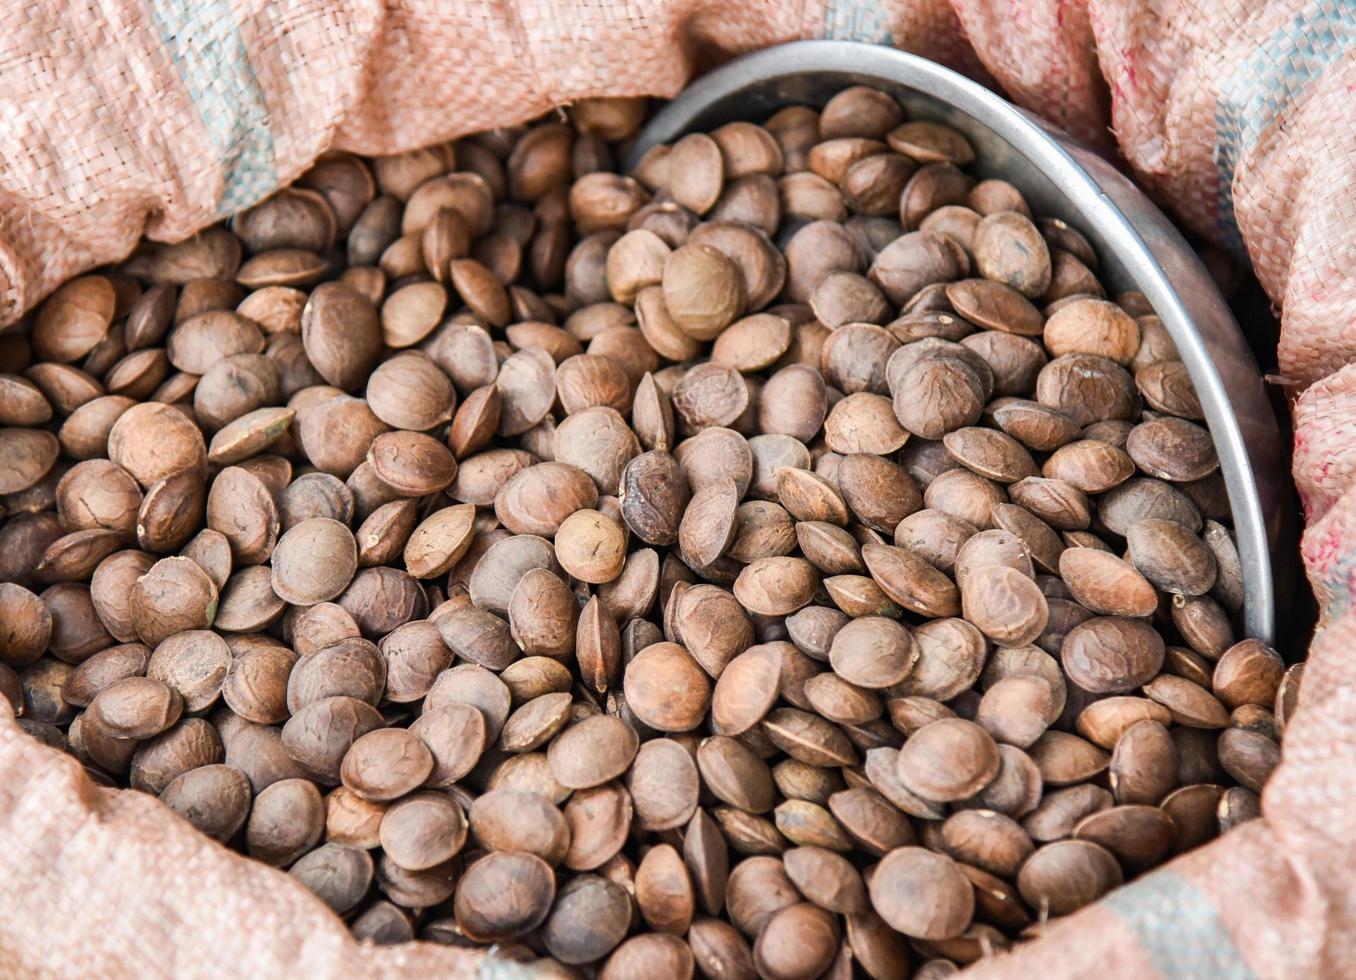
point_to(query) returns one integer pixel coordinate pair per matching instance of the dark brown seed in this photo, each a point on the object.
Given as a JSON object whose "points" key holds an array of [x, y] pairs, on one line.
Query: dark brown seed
{"points": [[1138, 836], [1249, 672], [950, 759], [136, 708], [1143, 764], [215, 799], [1110, 655], [922, 894], [590, 918], [1249, 757], [339, 875], [1172, 449], [1064, 876], [1171, 556], [503, 895]]}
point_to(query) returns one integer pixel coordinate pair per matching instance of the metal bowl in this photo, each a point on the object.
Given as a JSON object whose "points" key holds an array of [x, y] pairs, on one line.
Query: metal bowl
{"points": [[1137, 246]]}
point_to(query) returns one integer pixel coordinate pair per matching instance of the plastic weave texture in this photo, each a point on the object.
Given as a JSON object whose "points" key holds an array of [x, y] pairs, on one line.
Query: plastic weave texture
{"points": [[158, 117]]}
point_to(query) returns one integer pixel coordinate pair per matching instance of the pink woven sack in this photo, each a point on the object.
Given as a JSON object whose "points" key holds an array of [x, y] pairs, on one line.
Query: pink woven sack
{"points": [[161, 116]]}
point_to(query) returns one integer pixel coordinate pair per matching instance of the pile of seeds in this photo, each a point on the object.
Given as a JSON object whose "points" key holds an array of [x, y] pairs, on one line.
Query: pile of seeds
{"points": [[783, 558]]}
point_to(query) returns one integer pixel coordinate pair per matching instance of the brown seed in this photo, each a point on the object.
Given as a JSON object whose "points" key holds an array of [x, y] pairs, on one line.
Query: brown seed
{"points": [[1093, 326], [423, 830], [948, 760], [27, 625], [696, 172], [173, 596], [995, 306], [1192, 809], [1089, 465], [922, 894], [455, 734], [1249, 757], [410, 392], [314, 562], [827, 879], [475, 422], [1171, 556], [351, 667], [703, 290], [649, 955], [1110, 655], [1009, 249], [1017, 709], [591, 547], [873, 652], [439, 542], [215, 799], [104, 668], [1064, 876], [1138, 836], [136, 708], [708, 524], [1172, 449], [666, 688], [255, 686], [599, 821], [526, 385], [153, 441], [712, 626], [710, 394], [987, 840], [1006, 606], [911, 581], [663, 890], [340, 875], [593, 381], [1063, 758], [1106, 584], [386, 764], [664, 785], [1143, 763], [592, 752], [1167, 387], [241, 507], [745, 690], [537, 499], [1249, 672], [286, 820], [411, 463], [797, 943], [503, 895], [590, 918], [1105, 720], [512, 820], [776, 586], [320, 733]]}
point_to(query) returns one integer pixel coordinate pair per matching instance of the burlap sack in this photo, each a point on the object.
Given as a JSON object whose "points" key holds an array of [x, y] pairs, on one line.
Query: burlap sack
{"points": [[163, 116]]}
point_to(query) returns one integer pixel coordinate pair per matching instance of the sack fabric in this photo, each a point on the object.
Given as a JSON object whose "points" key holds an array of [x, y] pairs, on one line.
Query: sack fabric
{"points": [[160, 116]]}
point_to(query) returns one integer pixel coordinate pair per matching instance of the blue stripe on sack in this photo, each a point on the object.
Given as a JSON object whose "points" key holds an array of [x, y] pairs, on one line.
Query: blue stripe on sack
{"points": [[1263, 84], [203, 39], [1179, 929], [857, 20]]}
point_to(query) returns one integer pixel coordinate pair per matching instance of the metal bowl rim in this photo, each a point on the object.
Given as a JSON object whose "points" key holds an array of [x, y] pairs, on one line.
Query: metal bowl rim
{"points": [[1031, 140]]}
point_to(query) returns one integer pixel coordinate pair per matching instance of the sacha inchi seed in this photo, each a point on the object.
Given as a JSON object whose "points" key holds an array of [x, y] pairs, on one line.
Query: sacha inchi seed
{"points": [[782, 557]]}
